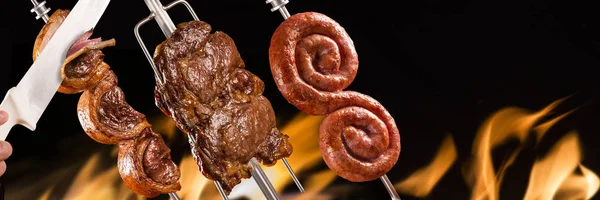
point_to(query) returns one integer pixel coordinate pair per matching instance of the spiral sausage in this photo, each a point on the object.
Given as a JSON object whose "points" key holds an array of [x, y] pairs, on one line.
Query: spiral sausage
{"points": [[144, 159], [313, 60]]}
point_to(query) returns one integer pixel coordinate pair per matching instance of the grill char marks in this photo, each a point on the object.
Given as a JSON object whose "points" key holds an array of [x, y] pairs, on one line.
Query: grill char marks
{"points": [[213, 99]]}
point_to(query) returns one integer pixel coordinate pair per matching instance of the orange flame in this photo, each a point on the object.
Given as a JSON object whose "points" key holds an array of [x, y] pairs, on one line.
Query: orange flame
{"points": [[90, 185], [508, 123], [46, 194], [194, 184], [164, 125], [559, 175], [572, 186], [421, 182], [304, 134], [315, 184], [554, 175], [303, 131]]}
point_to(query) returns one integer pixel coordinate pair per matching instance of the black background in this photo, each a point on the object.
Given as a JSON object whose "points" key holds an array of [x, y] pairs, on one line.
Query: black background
{"points": [[438, 66]]}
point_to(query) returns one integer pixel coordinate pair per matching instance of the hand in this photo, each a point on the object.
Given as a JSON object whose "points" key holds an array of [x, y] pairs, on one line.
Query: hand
{"points": [[5, 147]]}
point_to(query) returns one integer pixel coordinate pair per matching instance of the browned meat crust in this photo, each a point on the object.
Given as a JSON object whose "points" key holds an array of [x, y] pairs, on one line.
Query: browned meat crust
{"points": [[219, 104], [144, 160]]}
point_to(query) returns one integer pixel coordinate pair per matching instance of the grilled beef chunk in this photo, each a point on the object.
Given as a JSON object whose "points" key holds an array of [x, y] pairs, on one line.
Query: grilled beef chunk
{"points": [[219, 104]]}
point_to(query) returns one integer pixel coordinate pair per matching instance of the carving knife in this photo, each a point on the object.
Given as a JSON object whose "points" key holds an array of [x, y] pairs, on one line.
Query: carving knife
{"points": [[26, 102]]}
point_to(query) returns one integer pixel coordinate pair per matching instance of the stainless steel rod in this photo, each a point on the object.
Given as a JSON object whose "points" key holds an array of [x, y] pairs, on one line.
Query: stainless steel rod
{"points": [[136, 32], [40, 10], [279, 5], [217, 184], [174, 196], [284, 12], [292, 174], [263, 181], [221, 190], [390, 187], [161, 16]]}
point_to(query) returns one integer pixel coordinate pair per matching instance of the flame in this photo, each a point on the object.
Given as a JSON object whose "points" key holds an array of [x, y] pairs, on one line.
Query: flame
{"points": [[559, 175], [304, 134], [164, 125], [508, 123], [421, 182], [89, 185], [315, 184], [572, 186], [544, 127], [303, 131], [46, 194], [554, 175], [192, 181], [93, 183]]}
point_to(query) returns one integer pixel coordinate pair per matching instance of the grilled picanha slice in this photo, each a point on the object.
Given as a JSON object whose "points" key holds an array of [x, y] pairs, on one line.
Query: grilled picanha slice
{"points": [[219, 104]]}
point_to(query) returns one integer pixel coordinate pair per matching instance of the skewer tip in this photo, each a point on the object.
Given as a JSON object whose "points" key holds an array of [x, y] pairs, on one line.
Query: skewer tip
{"points": [[293, 175], [390, 187]]}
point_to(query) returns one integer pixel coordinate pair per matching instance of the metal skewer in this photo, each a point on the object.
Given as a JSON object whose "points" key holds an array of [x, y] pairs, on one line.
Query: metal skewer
{"points": [[262, 180], [159, 13], [292, 174], [221, 191], [280, 5], [174, 196], [40, 10], [390, 187]]}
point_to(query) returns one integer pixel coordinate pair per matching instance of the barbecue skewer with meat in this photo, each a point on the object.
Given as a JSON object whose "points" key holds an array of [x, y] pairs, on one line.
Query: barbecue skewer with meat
{"points": [[144, 160], [313, 60], [205, 89]]}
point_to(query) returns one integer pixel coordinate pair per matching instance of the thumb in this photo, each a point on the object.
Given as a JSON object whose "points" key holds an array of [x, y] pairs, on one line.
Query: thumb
{"points": [[3, 117]]}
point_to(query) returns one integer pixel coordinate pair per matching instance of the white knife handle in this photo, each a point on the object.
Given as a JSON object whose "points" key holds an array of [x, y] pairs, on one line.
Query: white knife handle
{"points": [[17, 108]]}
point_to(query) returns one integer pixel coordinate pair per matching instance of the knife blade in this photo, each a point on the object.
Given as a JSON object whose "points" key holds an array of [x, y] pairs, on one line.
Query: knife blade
{"points": [[26, 102]]}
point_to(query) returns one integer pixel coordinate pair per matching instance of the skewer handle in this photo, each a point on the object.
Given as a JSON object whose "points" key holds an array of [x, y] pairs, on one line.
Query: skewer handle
{"points": [[136, 30], [40, 10], [162, 18], [279, 5]]}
